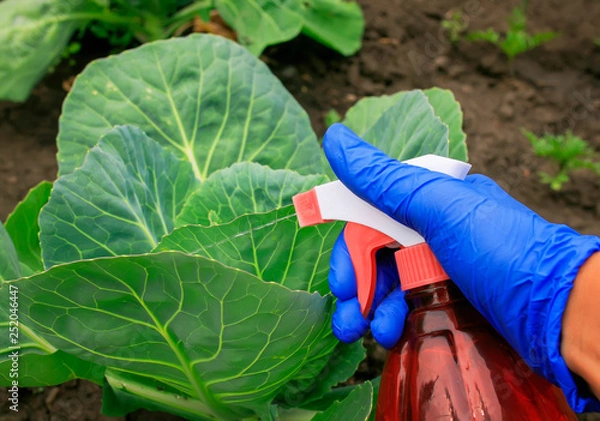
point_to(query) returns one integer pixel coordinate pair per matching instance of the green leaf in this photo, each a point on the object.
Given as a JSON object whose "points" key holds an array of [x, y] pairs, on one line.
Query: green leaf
{"points": [[366, 112], [40, 370], [122, 200], [488, 35], [38, 363], [243, 188], [356, 407], [33, 34], [517, 20], [124, 392], [9, 263], [203, 97], [273, 247], [515, 43], [338, 24], [448, 110], [332, 117], [220, 336], [542, 37], [260, 23], [269, 245], [342, 364], [409, 128], [23, 227], [369, 111], [376, 382]]}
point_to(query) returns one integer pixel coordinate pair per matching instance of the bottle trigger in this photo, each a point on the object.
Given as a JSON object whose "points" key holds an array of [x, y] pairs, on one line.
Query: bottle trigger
{"points": [[363, 243]]}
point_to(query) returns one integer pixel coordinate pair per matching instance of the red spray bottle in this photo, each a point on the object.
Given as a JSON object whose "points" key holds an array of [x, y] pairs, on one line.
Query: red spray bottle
{"points": [[450, 363]]}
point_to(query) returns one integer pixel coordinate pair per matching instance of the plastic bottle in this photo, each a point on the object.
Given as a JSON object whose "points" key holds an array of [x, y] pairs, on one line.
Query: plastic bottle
{"points": [[451, 364]]}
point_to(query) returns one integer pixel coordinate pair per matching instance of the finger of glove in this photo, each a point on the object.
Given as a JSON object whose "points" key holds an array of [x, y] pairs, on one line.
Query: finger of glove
{"points": [[400, 190], [488, 187], [347, 323], [388, 322]]}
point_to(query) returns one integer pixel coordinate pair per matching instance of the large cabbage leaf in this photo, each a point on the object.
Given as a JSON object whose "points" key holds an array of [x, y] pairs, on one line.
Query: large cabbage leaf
{"points": [[269, 245], [338, 24], [243, 188], [204, 98], [9, 263], [366, 112], [33, 34], [23, 227], [355, 407], [24, 356], [122, 200], [260, 23], [220, 336]]}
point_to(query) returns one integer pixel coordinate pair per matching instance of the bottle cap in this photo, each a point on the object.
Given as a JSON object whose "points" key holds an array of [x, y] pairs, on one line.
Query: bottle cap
{"points": [[417, 266]]}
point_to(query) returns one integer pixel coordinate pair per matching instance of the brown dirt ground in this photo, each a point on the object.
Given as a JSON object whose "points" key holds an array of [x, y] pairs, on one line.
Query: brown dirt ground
{"points": [[553, 88]]}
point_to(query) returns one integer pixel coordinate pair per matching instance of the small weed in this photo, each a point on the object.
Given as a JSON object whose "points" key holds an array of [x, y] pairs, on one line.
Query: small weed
{"points": [[570, 152], [332, 117], [456, 25], [516, 40], [70, 50]]}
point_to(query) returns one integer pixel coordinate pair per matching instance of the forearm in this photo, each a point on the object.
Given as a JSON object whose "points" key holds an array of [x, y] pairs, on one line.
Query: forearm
{"points": [[580, 345]]}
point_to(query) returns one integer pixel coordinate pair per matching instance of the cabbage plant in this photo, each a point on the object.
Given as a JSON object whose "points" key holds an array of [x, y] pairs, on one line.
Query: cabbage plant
{"points": [[34, 33], [166, 264]]}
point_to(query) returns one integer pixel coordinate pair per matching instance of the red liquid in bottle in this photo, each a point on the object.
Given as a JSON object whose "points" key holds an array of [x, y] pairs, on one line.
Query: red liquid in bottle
{"points": [[451, 364]]}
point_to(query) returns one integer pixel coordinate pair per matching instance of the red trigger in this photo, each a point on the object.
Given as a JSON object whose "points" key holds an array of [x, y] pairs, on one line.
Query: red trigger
{"points": [[363, 242]]}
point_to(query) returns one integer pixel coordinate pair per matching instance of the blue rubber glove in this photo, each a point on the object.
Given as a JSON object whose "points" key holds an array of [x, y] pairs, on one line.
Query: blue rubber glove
{"points": [[389, 309], [516, 268]]}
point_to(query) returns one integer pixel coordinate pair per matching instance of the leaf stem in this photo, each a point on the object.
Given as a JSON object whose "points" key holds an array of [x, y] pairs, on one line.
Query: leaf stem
{"points": [[185, 15], [296, 414], [193, 408], [190, 11], [43, 344]]}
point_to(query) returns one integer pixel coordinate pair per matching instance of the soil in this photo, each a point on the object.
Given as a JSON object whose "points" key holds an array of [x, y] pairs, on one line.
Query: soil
{"points": [[553, 88]]}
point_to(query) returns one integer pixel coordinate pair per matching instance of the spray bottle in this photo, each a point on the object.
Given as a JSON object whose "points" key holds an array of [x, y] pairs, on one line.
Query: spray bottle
{"points": [[450, 363]]}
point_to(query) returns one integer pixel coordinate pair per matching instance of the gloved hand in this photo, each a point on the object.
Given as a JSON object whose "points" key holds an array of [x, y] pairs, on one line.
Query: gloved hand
{"points": [[516, 268], [388, 310]]}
